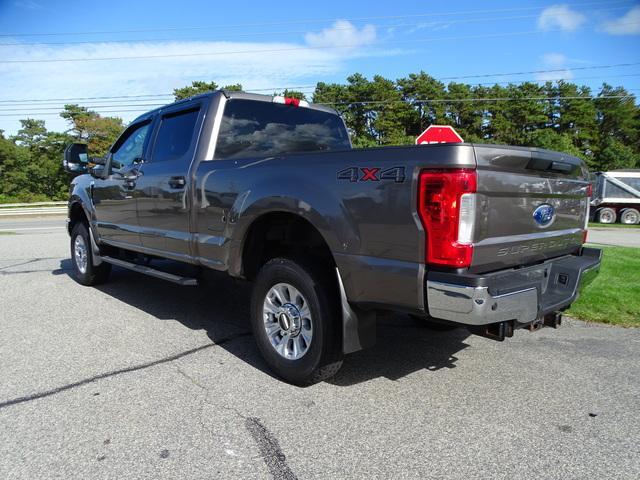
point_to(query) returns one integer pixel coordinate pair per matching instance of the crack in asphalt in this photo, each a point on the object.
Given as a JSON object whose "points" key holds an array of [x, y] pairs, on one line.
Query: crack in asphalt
{"points": [[28, 261], [270, 450], [48, 270], [135, 368]]}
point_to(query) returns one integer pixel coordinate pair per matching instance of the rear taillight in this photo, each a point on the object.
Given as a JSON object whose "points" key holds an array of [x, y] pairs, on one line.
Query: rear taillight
{"points": [[446, 206]]}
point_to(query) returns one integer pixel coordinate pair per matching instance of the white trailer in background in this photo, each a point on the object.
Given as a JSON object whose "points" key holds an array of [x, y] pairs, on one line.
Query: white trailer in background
{"points": [[616, 197]]}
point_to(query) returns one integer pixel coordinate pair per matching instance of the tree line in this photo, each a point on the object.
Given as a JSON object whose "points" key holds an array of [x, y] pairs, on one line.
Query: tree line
{"points": [[601, 127]]}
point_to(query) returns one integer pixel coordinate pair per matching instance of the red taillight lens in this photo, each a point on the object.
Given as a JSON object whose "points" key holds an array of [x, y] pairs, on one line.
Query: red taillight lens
{"points": [[439, 198], [589, 190]]}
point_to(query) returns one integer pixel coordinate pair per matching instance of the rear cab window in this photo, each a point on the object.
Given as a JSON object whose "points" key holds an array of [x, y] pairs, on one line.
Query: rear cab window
{"points": [[253, 128], [175, 135]]}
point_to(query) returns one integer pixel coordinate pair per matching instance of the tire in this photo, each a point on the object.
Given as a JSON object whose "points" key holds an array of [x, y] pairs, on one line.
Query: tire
{"points": [[425, 322], [630, 216], [84, 270], [607, 215], [295, 319]]}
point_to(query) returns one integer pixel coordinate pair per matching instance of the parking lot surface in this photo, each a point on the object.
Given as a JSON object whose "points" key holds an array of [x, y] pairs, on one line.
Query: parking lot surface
{"points": [[144, 379], [621, 237]]}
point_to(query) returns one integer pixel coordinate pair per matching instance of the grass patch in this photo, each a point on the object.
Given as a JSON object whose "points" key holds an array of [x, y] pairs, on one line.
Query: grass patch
{"points": [[614, 296], [7, 233], [614, 225]]}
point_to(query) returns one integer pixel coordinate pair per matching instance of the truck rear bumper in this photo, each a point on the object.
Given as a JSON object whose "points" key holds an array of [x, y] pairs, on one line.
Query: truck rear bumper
{"points": [[524, 294]]}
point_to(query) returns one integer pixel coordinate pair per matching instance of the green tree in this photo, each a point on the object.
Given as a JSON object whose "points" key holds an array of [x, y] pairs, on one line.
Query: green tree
{"points": [[90, 127], [614, 155], [198, 87], [426, 95], [33, 168]]}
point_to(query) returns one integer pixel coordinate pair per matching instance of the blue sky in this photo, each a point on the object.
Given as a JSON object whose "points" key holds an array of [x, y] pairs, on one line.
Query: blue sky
{"points": [[272, 45]]}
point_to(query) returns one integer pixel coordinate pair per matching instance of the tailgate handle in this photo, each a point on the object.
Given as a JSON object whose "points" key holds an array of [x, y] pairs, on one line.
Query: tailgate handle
{"points": [[177, 182], [561, 167], [549, 165]]}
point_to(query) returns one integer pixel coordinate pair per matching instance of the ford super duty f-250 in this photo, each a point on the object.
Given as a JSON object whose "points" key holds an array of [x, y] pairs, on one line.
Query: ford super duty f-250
{"points": [[269, 189]]}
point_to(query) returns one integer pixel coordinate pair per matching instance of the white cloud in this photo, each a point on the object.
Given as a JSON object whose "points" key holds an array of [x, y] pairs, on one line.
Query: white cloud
{"points": [[266, 65], [560, 17], [628, 24], [343, 33], [557, 62]]}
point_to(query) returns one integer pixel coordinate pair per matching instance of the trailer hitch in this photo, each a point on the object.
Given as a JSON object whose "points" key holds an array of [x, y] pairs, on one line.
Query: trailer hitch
{"points": [[501, 330], [494, 331]]}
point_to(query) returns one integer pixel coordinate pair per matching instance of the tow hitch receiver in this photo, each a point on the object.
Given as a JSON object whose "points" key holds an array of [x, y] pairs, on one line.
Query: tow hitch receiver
{"points": [[553, 320], [501, 330], [495, 331]]}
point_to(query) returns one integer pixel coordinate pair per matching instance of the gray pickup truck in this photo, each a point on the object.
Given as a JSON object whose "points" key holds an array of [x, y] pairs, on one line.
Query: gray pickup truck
{"points": [[269, 189]]}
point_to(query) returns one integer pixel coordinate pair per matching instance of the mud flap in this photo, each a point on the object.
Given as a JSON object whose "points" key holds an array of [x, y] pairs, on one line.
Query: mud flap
{"points": [[358, 325]]}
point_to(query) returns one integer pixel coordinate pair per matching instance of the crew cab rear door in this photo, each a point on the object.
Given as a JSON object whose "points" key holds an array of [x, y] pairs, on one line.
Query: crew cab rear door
{"points": [[163, 189]]}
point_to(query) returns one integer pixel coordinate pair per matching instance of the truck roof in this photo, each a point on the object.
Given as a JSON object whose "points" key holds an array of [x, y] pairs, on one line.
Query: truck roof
{"points": [[232, 95]]}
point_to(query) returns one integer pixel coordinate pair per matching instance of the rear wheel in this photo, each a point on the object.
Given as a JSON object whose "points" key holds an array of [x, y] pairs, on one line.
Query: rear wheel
{"points": [[607, 215], [83, 268], [294, 321], [630, 216]]}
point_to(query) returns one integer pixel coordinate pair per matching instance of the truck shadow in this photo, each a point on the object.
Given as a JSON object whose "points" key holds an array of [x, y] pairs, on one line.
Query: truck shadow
{"points": [[220, 307]]}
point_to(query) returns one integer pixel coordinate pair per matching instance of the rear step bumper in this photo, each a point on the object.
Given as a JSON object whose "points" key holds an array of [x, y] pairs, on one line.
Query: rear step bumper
{"points": [[523, 295]]}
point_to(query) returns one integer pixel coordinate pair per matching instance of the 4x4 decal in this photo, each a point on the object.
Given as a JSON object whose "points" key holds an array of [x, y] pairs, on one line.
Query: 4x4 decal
{"points": [[372, 174]]}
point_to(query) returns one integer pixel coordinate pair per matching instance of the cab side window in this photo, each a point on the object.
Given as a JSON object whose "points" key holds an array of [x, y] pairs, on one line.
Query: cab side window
{"points": [[130, 148], [175, 136]]}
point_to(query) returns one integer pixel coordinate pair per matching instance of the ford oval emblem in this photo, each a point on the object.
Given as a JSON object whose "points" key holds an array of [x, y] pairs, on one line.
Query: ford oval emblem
{"points": [[544, 215]]}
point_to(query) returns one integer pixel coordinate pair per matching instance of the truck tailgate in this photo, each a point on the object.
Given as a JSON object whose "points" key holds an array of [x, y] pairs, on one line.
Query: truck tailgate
{"points": [[531, 206]]}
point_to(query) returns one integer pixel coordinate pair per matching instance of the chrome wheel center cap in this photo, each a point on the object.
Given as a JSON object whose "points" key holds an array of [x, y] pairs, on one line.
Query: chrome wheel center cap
{"points": [[289, 320]]}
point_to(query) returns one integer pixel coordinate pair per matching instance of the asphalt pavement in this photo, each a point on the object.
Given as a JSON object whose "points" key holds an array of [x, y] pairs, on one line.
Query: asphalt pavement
{"points": [[140, 378], [621, 237]]}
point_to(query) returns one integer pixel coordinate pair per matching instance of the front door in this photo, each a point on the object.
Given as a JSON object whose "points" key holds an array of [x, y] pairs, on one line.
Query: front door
{"points": [[113, 197], [163, 189]]}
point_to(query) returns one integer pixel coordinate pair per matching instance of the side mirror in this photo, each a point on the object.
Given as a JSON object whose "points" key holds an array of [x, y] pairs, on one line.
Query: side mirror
{"points": [[97, 170], [76, 159]]}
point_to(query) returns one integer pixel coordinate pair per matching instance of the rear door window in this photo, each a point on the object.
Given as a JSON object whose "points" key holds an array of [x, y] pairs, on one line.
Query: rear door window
{"points": [[253, 128], [176, 135]]}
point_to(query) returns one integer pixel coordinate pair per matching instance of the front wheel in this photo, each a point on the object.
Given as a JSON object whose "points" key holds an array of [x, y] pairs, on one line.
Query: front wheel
{"points": [[294, 318], [83, 268]]}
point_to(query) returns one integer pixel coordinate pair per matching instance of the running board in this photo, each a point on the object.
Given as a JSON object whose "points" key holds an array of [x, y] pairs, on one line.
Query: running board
{"points": [[152, 272]]}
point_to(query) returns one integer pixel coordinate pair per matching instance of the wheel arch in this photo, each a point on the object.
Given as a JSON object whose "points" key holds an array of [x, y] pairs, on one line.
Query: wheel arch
{"points": [[272, 233]]}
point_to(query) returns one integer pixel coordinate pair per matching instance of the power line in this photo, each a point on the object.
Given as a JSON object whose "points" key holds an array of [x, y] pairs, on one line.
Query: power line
{"points": [[267, 89], [287, 32], [303, 21], [479, 100], [376, 102], [595, 67], [276, 50], [148, 97], [15, 109]]}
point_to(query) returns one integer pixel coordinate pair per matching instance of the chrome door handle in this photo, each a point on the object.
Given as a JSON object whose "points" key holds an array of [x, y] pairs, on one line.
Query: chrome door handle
{"points": [[177, 182]]}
